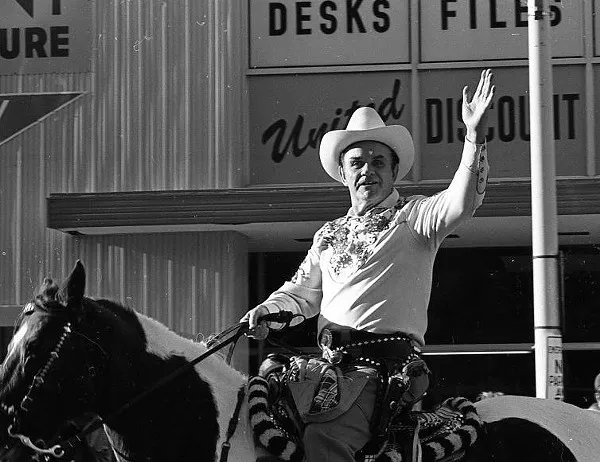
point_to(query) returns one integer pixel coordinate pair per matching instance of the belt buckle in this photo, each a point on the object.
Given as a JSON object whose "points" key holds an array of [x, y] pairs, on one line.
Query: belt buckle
{"points": [[326, 339], [325, 342], [333, 356]]}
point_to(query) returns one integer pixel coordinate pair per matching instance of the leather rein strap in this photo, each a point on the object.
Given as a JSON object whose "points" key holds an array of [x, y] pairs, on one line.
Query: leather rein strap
{"points": [[233, 422], [97, 422]]}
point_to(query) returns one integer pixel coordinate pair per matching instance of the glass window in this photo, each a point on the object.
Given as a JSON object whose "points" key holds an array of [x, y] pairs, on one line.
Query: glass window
{"points": [[581, 266], [480, 296], [469, 375]]}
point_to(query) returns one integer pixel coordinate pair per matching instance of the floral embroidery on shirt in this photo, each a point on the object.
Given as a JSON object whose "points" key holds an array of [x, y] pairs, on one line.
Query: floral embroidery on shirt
{"points": [[353, 238], [303, 272]]}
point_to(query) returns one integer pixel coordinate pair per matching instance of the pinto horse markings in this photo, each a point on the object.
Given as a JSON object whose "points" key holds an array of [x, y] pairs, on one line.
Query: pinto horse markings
{"points": [[180, 421], [113, 354]]}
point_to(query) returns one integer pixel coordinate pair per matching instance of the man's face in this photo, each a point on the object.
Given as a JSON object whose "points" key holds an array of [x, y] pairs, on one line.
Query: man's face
{"points": [[368, 170]]}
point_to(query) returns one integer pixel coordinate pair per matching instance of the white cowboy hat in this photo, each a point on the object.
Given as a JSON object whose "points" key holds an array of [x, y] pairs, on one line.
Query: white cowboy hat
{"points": [[366, 125]]}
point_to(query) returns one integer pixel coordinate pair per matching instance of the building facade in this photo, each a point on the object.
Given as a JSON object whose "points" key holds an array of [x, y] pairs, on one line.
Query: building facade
{"points": [[173, 148]]}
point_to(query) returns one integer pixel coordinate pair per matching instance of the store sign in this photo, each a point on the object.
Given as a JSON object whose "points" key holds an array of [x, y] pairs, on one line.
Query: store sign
{"points": [[289, 114], [18, 112], [554, 379], [596, 28], [465, 30], [442, 132], [596, 81], [44, 36], [286, 33]]}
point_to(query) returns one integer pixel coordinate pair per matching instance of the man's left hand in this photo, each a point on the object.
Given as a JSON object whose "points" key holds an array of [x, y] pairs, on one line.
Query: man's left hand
{"points": [[475, 106]]}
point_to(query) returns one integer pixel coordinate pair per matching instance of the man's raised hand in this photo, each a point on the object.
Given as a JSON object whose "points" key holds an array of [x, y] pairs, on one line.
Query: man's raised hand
{"points": [[476, 105]]}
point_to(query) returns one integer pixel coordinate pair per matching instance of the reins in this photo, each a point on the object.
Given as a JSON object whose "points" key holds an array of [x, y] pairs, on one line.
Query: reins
{"points": [[238, 329], [214, 344]]}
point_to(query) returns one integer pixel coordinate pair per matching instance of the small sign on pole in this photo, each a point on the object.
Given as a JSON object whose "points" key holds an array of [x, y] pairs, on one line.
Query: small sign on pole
{"points": [[555, 368]]}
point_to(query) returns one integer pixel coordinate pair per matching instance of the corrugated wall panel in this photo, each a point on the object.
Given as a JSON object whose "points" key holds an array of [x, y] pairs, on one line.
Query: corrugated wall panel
{"points": [[165, 105], [193, 282], [162, 109], [9, 212], [32, 164], [169, 85]]}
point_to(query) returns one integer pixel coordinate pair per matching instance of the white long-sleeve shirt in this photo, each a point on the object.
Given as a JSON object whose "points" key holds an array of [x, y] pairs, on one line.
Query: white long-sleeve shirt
{"points": [[373, 272]]}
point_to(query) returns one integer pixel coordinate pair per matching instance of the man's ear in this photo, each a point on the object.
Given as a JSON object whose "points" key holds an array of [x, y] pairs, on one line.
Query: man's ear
{"points": [[342, 175], [395, 170]]}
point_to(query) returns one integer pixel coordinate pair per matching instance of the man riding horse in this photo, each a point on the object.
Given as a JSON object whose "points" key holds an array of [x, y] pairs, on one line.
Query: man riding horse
{"points": [[368, 277]]}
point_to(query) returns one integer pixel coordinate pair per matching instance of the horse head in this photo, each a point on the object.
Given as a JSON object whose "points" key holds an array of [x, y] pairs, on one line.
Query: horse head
{"points": [[52, 372]]}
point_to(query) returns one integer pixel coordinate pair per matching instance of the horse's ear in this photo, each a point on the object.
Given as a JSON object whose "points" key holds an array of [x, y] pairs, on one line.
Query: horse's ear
{"points": [[74, 286]]}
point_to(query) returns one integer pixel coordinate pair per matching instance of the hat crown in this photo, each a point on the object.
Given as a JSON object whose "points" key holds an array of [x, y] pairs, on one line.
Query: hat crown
{"points": [[365, 118]]}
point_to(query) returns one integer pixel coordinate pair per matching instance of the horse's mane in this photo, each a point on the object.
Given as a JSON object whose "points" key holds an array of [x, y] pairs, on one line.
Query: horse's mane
{"points": [[160, 340]]}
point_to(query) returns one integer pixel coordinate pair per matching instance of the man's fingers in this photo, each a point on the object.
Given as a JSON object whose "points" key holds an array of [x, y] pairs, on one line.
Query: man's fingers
{"points": [[483, 87], [485, 90], [488, 81], [253, 319], [490, 96], [255, 316], [465, 93], [480, 84], [260, 332]]}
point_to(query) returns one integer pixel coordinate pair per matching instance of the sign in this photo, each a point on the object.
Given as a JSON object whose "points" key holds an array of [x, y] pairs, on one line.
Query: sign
{"points": [[289, 114], [442, 130], [465, 30], [596, 28], [287, 33], [44, 36], [555, 386], [597, 102], [20, 111]]}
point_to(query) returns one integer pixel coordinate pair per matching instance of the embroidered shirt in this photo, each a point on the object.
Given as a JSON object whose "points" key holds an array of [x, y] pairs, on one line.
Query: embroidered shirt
{"points": [[373, 272]]}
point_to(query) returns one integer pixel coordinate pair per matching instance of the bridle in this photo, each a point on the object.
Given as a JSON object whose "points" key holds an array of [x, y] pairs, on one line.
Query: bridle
{"points": [[58, 451], [20, 413], [59, 448]]}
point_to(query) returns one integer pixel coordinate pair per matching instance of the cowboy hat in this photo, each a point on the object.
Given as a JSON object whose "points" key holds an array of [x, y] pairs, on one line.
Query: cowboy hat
{"points": [[366, 125]]}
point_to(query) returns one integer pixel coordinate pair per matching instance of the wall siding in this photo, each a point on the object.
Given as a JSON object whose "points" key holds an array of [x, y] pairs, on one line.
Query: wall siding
{"points": [[163, 109]]}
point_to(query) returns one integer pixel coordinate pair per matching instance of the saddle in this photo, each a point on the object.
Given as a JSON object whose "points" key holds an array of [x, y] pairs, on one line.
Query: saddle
{"points": [[442, 435]]}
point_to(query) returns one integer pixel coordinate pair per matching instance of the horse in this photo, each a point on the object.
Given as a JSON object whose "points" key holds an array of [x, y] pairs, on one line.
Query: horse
{"points": [[72, 355]]}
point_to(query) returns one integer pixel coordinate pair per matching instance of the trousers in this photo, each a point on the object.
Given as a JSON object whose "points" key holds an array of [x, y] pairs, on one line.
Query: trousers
{"points": [[339, 439]]}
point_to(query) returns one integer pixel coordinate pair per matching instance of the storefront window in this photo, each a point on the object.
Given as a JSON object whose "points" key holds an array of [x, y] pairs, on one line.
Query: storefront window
{"points": [[481, 298], [582, 294], [469, 375]]}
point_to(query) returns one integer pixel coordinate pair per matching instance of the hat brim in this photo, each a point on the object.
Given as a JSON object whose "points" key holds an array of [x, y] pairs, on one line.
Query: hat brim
{"points": [[397, 137]]}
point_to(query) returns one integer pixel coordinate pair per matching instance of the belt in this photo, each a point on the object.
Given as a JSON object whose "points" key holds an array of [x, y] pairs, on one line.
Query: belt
{"points": [[359, 345]]}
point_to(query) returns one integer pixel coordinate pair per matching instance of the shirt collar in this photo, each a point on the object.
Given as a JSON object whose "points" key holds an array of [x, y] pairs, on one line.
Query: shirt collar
{"points": [[385, 204]]}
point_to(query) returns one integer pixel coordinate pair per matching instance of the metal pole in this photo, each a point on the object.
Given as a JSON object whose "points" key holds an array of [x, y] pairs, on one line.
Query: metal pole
{"points": [[548, 338]]}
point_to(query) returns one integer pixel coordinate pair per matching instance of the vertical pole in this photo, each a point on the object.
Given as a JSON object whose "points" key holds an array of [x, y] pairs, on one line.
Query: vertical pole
{"points": [[548, 338]]}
